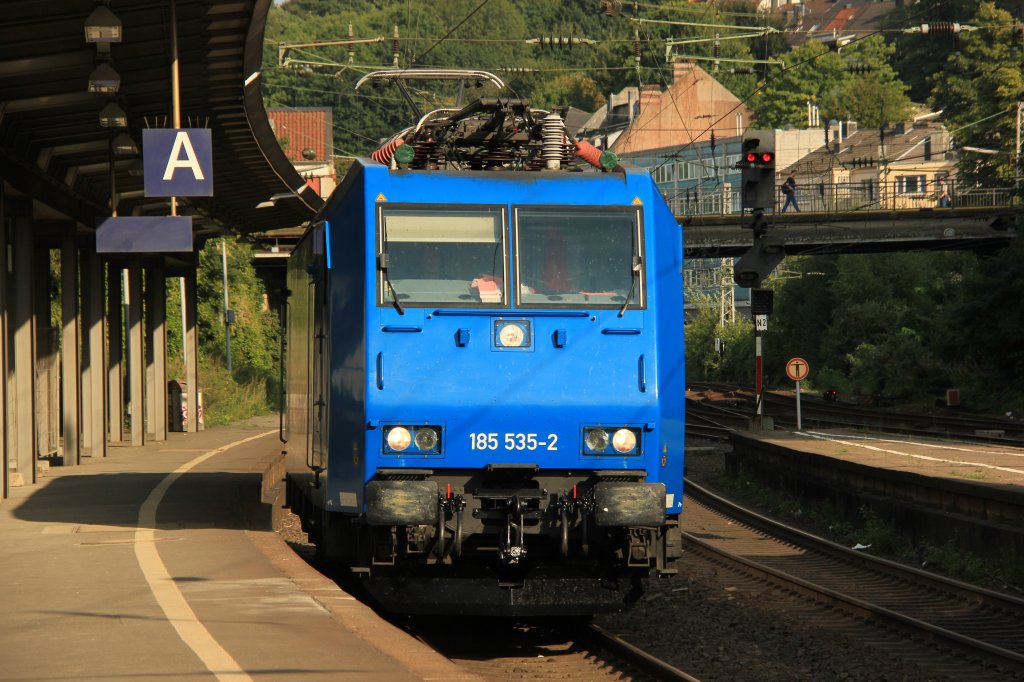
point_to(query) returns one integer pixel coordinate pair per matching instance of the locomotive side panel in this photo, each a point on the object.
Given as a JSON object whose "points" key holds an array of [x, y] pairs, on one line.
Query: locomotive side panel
{"points": [[346, 311], [301, 422], [668, 239]]}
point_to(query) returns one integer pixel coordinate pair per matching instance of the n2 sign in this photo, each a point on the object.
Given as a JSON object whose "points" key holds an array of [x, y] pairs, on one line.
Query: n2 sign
{"points": [[178, 162]]}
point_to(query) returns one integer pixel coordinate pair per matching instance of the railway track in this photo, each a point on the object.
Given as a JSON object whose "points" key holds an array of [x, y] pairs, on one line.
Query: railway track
{"points": [[704, 426], [959, 629], [502, 649], [548, 649]]}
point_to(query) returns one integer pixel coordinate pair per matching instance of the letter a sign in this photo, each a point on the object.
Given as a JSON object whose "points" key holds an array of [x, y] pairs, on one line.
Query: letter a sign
{"points": [[178, 162]]}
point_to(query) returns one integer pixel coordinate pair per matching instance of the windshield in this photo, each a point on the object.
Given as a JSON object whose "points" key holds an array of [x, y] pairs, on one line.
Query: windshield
{"points": [[580, 257], [435, 255]]}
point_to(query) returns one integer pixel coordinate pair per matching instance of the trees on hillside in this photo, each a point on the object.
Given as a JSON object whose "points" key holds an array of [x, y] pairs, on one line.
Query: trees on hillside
{"points": [[493, 37], [859, 85], [978, 89], [890, 328], [896, 327], [703, 359], [872, 92], [919, 56], [982, 325]]}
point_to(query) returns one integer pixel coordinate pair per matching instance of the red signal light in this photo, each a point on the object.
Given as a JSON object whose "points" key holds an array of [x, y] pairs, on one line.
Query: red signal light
{"points": [[751, 157], [766, 157]]}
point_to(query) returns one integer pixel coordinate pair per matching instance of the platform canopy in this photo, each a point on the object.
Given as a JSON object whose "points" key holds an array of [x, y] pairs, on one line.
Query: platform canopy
{"points": [[55, 150]]}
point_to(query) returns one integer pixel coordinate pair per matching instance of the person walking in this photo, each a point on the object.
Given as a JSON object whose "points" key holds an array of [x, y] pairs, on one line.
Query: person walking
{"points": [[942, 193], [789, 189]]}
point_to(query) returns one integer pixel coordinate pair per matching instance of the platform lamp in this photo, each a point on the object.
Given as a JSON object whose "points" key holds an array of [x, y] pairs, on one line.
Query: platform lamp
{"points": [[124, 145], [112, 116], [102, 26], [104, 79]]}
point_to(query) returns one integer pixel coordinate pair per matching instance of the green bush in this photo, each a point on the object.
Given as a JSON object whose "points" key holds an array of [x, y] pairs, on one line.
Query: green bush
{"points": [[228, 398], [253, 386]]}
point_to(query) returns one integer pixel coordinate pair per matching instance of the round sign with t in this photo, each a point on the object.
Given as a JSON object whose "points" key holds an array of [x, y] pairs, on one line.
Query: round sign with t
{"points": [[797, 369]]}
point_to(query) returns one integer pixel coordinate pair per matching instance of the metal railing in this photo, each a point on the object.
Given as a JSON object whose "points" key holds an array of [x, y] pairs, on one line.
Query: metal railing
{"points": [[893, 195]]}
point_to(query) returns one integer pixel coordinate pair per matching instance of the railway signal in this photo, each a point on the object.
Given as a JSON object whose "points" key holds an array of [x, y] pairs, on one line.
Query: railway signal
{"points": [[759, 261], [757, 166], [762, 301], [757, 193]]}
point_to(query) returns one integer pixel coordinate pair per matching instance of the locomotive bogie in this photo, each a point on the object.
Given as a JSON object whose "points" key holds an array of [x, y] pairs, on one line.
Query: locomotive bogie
{"points": [[506, 523]]}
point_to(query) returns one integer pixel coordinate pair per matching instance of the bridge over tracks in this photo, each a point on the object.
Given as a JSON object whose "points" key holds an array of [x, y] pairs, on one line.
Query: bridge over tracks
{"points": [[867, 231]]}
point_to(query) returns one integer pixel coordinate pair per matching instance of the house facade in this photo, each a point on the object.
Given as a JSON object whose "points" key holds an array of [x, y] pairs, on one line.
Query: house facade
{"points": [[906, 165], [688, 111], [307, 136], [690, 136], [702, 178]]}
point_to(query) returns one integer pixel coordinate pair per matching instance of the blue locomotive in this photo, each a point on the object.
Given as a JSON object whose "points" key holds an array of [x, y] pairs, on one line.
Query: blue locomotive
{"points": [[485, 371]]}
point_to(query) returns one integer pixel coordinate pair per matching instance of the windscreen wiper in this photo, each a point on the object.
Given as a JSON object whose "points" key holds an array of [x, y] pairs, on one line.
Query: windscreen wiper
{"points": [[632, 285], [382, 264]]}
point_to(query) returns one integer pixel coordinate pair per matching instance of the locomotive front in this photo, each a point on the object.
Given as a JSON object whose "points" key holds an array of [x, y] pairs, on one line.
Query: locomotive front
{"points": [[501, 429]]}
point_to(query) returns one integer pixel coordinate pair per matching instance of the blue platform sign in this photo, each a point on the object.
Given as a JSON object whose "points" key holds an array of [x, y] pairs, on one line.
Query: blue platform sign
{"points": [[144, 234], [178, 162]]}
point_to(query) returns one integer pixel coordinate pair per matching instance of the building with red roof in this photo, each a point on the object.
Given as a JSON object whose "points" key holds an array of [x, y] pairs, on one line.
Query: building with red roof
{"points": [[307, 136]]}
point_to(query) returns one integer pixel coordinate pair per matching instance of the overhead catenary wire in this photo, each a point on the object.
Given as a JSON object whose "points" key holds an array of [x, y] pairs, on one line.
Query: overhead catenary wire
{"points": [[451, 31], [646, 39], [924, 28], [760, 87], [674, 96]]}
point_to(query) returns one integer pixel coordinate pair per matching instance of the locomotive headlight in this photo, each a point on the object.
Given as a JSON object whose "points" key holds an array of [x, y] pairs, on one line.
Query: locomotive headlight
{"points": [[399, 438], [597, 440], [511, 335], [623, 441], [426, 438]]}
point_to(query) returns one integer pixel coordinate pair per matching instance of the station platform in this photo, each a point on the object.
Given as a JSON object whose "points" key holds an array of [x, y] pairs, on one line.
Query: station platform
{"points": [[938, 491], [991, 465], [159, 562]]}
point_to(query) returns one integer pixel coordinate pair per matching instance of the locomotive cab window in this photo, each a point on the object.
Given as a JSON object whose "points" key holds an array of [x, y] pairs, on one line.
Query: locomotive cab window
{"points": [[441, 255], [579, 257]]}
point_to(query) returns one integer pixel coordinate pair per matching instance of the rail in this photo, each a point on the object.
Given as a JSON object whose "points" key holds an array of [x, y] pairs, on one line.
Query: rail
{"points": [[968, 622], [892, 195], [649, 663]]}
